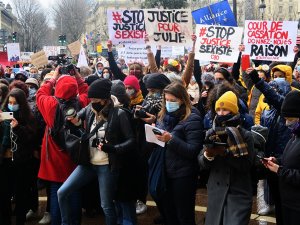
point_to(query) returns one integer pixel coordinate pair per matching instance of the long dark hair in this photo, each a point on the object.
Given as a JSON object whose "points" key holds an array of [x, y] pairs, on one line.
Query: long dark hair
{"points": [[24, 109]]}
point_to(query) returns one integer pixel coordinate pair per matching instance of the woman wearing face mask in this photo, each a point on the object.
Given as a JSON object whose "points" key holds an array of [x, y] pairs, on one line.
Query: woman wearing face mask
{"points": [[113, 139], [99, 69], [16, 152], [106, 73], [133, 90], [33, 86], [182, 135], [229, 156], [286, 167]]}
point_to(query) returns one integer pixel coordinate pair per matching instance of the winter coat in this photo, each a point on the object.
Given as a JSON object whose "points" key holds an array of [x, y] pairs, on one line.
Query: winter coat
{"points": [[289, 174], [56, 165], [229, 186], [185, 145], [24, 135], [119, 133], [279, 134]]}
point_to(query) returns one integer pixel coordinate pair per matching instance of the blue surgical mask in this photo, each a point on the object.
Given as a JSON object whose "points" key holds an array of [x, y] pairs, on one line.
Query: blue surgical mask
{"points": [[13, 108], [32, 92], [298, 68], [130, 92], [279, 79], [99, 71], [172, 106]]}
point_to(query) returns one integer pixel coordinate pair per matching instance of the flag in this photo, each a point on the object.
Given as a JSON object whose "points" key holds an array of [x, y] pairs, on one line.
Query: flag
{"points": [[82, 58]]}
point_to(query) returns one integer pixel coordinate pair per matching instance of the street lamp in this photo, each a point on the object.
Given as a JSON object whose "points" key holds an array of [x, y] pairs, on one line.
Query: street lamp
{"points": [[262, 8]]}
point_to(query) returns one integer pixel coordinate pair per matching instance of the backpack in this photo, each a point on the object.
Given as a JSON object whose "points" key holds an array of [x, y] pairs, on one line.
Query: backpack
{"points": [[61, 125]]}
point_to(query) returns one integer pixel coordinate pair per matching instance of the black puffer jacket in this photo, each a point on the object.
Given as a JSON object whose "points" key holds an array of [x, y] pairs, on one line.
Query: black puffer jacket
{"points": [[185, 145]]}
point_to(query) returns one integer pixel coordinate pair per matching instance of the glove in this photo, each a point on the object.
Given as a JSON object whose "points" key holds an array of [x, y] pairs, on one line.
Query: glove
{"points": [[254, 76], [108, 148]]}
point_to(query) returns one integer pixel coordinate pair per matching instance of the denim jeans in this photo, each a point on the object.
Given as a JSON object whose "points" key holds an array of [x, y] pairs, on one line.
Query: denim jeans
{"points": [[74, 201], [81, 176], [126, 213]]}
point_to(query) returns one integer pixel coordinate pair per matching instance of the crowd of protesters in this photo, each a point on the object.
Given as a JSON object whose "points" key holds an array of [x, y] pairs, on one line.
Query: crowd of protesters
{"points": [[238, 128]]}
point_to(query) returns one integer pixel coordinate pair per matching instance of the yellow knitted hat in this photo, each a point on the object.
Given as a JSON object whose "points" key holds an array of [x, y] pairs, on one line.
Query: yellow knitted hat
{"points": [[228, 101]]}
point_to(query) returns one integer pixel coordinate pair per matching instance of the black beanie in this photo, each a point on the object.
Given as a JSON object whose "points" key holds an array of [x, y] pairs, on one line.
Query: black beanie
{"points": [[290, 106], [157, 81], [118, 88], [100, 89], [90, 79]]}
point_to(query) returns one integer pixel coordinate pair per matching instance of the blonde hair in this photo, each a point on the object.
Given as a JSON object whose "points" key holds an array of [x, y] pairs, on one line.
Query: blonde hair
{"points": [[179, 91]]}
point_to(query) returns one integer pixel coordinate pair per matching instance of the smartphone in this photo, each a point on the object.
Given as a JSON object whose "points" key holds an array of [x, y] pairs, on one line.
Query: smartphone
{"points": [[262, 158], [156, 131], [7, 115]]}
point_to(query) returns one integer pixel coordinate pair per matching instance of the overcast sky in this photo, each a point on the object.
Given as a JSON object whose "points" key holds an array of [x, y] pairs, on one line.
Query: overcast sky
{"points": [[45, 3]]}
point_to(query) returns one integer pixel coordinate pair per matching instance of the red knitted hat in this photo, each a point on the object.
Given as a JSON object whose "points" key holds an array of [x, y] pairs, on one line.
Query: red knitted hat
{"points": [[133, 82], [66, 88]]}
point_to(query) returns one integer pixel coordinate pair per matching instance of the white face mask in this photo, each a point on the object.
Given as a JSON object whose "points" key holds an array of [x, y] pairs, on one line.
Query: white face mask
{"points": [[130, 92], [106, 75]]}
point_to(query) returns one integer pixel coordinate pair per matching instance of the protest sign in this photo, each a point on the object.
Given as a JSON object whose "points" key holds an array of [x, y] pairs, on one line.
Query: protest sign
{"points": [[177, 50], [82, 61], [126, 26], [51, 50], [74, 48], [133, 53], [166, 51], [39, 58], [170, 27], [217, 43], [219, 13], [25, 56], [270, 40], [13, 52]]}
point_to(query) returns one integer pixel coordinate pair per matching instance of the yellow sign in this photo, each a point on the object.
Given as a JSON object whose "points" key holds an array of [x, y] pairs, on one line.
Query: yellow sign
{"points": [[99, 48]]}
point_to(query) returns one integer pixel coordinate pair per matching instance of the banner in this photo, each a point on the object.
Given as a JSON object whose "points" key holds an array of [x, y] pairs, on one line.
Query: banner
{"points": [[177, 50], [13, 52], [133, 53], [74, 48], [219, 13], [39, 59], [82, 61], [126, 26], [270, 40], [217, 43], [171, 27]]}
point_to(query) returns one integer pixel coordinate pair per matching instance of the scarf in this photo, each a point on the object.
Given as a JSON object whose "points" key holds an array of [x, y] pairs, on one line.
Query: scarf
{"points": [[138, 99], [153, 104], [231, 134]]}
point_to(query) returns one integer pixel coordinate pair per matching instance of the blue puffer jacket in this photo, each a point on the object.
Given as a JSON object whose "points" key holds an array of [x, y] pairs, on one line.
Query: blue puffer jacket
{"points": [[279, 134], [246, 119], [185, 145]]}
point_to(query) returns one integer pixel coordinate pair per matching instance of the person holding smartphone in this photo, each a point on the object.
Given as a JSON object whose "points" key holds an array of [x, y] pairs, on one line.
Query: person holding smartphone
{"points": [[16, 152], [182, 126], [287, 167], [229, 155]]}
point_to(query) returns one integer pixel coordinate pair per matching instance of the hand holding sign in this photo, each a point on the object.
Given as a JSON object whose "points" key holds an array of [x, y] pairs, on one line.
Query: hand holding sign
{"points": [[109, 45]]}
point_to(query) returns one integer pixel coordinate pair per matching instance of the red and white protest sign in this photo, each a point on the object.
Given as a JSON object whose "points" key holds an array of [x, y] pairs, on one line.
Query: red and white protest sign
{"points": [[270, 40], [218, 43], [170, 27], [126, 26]]}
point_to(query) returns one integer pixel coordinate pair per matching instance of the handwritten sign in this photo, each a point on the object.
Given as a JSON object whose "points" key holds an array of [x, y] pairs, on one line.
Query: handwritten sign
{"points": [[39, 58], [169, 27], [74, 48], [217, 43], [270, 40], [219, 13], [51, 50], [126, 26]]}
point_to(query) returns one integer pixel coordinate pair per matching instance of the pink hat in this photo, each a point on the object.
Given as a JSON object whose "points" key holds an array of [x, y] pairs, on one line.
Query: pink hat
{"points": [[133, 82]]}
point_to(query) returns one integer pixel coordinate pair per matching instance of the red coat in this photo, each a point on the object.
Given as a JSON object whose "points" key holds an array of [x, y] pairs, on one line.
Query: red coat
{"points": [[56, 164]]}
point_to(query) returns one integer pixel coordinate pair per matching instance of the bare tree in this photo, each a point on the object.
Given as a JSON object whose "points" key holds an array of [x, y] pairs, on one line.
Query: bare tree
{"points": [[70, 18], [33, 24]]}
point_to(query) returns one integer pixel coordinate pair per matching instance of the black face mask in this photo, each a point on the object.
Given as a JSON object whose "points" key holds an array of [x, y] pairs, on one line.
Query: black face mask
{"points": [[97, 106], [221, 119]]}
